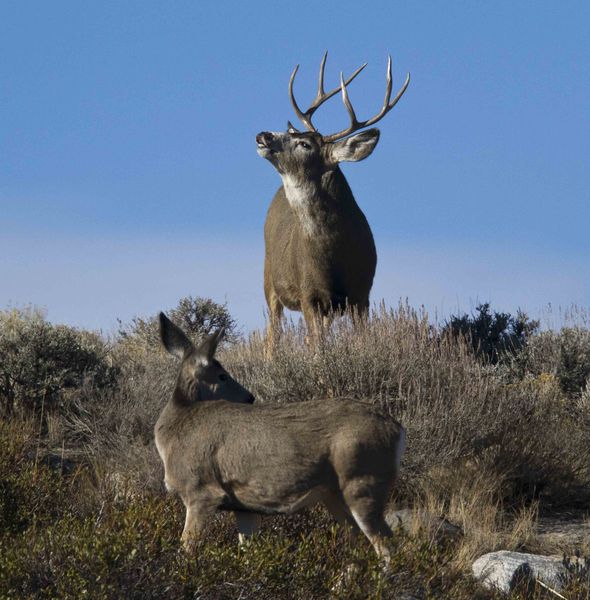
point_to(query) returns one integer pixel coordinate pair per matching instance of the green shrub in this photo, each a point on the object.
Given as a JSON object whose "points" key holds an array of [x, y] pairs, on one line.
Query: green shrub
{"points": [[492, 335], [31, 494], [42, 364], [132, 551]]}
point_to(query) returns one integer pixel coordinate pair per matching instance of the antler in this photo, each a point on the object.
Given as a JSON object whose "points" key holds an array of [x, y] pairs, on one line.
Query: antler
{"points": [[321, 96], [387, 106]]}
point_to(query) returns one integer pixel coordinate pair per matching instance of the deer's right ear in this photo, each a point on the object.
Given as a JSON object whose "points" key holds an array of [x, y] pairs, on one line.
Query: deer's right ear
{"points": [[173, 338], [209, 345]]}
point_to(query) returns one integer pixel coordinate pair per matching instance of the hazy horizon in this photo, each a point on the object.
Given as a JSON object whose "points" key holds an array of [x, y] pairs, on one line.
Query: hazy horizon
{"points": [[129, 176], [89, 282]]}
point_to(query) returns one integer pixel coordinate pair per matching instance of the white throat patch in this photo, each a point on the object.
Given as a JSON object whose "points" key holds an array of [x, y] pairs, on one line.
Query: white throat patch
{"points": [[300, 195]]}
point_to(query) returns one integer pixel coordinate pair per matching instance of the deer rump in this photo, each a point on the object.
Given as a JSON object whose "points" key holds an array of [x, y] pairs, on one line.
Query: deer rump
{"points": [[280, 459]]}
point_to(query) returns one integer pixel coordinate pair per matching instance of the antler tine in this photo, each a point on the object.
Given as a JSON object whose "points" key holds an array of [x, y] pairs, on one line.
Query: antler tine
{"points": [[387, 106], [319, 100], [321, 80], [354, 124], [321, 96], [303, 117], [389, 82], [401, 92]]}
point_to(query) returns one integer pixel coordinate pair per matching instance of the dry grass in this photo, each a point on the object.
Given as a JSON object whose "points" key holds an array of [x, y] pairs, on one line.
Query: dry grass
{"points": [[463, 417], [472, 428], [491, 448]]}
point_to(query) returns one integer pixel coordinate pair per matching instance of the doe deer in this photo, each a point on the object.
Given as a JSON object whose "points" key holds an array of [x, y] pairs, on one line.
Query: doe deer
{"points": [[221, 452], [320, 254]]}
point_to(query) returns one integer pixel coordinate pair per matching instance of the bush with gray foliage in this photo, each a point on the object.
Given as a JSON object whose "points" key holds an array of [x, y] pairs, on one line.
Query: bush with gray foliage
{"points": [[42, 366]]}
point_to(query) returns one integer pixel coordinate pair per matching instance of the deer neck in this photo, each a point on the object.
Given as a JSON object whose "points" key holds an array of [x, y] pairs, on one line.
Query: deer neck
{"points": [[317, 201], [184, 392]]}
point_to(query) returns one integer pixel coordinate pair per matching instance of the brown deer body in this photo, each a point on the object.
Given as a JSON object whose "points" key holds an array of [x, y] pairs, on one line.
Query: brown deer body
{"points": [[222, 453], [320, 254]]}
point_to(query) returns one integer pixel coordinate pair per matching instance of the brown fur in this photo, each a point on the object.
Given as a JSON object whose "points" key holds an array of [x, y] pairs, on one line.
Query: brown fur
{"points": [[320, 254]]}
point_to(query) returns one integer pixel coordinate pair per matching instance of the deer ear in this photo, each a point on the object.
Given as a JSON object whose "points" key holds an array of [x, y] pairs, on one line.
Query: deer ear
{"points": [[356, 147], [173, 338], [291, 128], [209, 344]]}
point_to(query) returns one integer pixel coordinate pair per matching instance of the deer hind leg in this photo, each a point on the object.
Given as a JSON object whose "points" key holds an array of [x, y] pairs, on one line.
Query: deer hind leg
{"points": [[337, 508], [359, 314], [366, 504], [248, 524], [314, 319]]}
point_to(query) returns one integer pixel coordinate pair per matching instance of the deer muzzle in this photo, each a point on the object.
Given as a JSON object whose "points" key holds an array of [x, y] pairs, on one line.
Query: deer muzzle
{"points": [[266, 140]]}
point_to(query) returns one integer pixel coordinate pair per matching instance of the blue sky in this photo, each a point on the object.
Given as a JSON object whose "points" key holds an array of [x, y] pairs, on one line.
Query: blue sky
{"points": [[129, 175]]}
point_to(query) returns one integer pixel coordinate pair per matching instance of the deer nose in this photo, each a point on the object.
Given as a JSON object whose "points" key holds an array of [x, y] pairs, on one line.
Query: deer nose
{"points": [[264, 138]]}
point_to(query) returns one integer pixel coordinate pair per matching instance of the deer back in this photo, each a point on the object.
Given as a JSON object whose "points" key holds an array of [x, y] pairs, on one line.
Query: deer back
{"points": [[260, 458]]}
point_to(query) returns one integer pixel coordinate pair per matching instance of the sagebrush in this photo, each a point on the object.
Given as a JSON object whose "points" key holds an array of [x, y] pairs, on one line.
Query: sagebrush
{"points": [[491, 445]]}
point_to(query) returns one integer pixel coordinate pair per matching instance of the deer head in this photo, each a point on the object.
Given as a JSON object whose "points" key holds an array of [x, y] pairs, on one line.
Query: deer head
{"points": [[200, 376], [309, 154]]}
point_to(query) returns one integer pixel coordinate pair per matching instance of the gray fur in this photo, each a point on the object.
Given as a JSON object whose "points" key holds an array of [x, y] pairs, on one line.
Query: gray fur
{"points": [[225, 454]]}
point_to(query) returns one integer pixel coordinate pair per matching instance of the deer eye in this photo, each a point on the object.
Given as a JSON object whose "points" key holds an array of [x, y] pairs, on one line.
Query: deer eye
{"points": [[222, 377], [304, 145]]}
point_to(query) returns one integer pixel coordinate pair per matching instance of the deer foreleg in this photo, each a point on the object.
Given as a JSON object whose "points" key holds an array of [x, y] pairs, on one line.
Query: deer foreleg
{"points": [[197, 516], [275, 317], [248, 524]]}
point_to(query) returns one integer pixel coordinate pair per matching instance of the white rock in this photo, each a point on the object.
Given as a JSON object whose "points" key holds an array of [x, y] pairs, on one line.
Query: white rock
{"points": [[504, 570]]}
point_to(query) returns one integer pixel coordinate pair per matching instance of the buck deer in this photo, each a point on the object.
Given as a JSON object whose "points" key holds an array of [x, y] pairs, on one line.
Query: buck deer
{"points": [[220, 452], [320, 254]]}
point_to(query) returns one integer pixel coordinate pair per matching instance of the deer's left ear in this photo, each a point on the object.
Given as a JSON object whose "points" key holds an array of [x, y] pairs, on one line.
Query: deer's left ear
{"points": [[356, 147]]}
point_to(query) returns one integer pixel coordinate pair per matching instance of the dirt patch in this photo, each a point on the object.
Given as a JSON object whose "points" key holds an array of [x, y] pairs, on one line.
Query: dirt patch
{"points": [[565, 532]]}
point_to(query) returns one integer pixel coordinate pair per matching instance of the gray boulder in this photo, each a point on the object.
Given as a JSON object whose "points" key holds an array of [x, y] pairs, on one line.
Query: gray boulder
{"points": [[505, 570]]}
